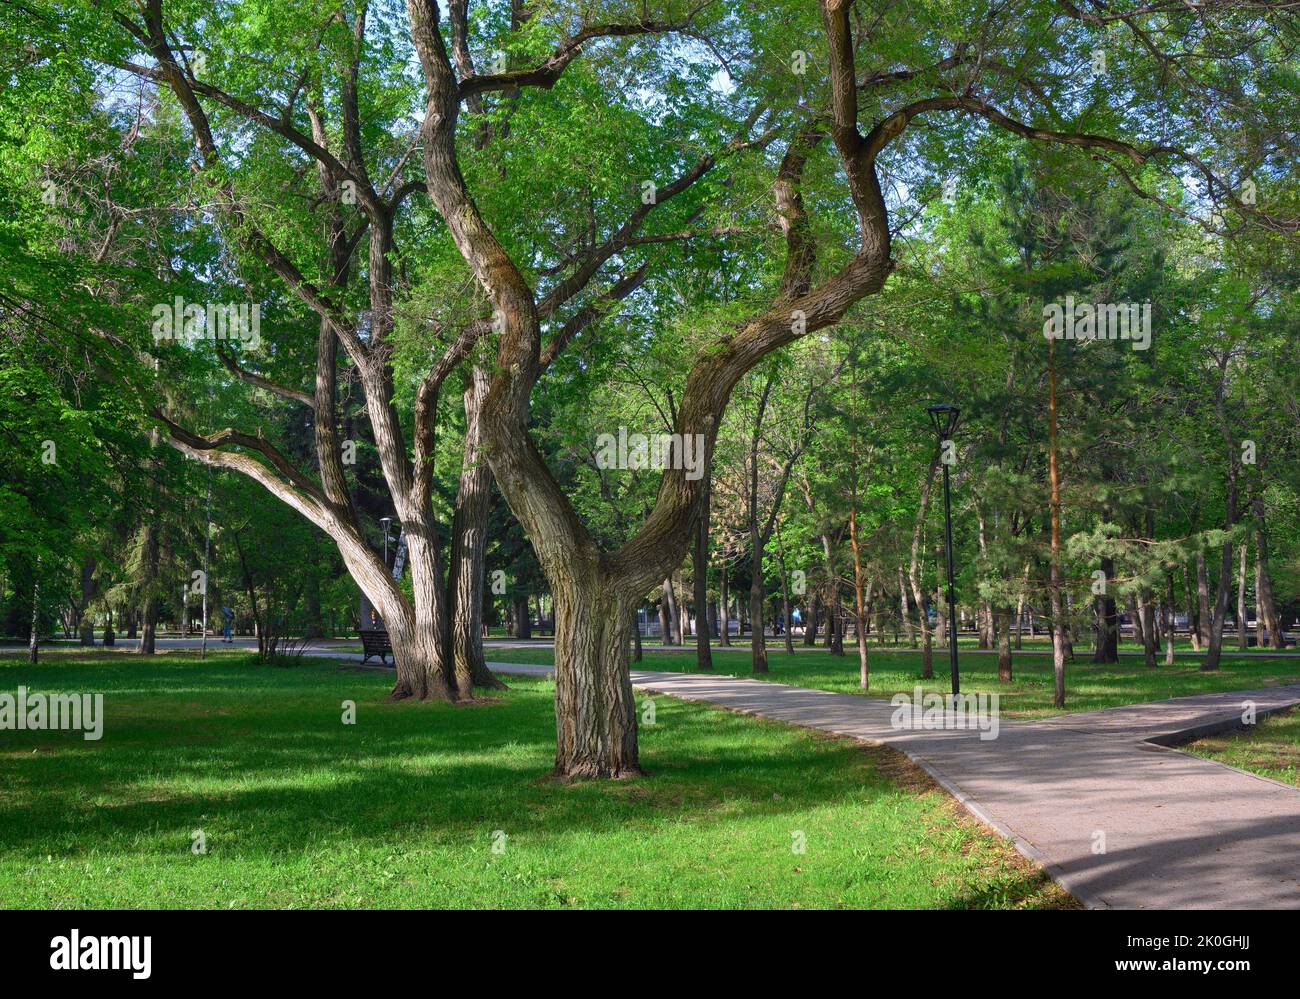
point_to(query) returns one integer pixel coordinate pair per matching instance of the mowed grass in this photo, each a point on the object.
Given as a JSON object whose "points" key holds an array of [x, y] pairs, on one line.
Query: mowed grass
{"points": [[1029, 695], [402, 809], [1271, 748]]}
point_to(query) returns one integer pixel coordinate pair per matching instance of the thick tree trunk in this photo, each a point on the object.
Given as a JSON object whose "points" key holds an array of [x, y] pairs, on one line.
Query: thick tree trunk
{"points": [[595, 714]]}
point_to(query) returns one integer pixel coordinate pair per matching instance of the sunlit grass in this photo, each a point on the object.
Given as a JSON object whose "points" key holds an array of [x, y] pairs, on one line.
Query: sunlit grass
{"points": [[401, 809], [1271, 748]]}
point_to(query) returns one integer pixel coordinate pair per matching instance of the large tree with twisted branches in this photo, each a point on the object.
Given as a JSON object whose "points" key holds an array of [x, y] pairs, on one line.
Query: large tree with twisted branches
{"points": [[1176, 100]]}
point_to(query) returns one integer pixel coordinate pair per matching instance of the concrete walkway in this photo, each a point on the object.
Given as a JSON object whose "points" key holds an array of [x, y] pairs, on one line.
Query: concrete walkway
{"points": [[1178, 831]]}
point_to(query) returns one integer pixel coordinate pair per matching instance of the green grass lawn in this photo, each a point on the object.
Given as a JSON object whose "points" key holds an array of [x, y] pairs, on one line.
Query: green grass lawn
{"points": [[1029, 695], [400, 809], [1271, 748]]}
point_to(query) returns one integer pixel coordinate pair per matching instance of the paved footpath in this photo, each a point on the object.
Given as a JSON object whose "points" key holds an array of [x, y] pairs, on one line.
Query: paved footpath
{"points": [[1179, 831]]}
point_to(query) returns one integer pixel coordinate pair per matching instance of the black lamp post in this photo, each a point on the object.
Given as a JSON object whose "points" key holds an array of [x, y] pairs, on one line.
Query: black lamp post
{"points": [[387, 522], [944, 417]]}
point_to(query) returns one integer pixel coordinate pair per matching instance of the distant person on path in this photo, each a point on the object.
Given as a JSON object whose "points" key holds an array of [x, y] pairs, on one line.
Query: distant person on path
{"points": [[229, 617]]}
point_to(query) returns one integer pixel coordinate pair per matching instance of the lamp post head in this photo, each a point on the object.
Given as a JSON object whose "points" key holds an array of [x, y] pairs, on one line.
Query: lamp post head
{"points": [[944, 417]]}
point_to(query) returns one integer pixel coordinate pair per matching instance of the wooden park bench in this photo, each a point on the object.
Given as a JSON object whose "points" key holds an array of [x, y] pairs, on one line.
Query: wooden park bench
{"points": [[375, 643]]}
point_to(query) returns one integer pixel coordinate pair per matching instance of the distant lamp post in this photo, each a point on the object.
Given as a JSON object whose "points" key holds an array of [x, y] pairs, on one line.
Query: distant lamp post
{"points": [[387, 522], [944, 417]]}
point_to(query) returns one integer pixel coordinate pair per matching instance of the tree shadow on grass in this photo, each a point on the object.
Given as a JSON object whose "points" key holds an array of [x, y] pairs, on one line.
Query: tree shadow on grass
{"points": [[282, 771]]}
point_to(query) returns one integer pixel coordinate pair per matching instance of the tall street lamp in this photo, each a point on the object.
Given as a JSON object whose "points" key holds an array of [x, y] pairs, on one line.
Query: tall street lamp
{"points": [[944, 417], [386, 521]]}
